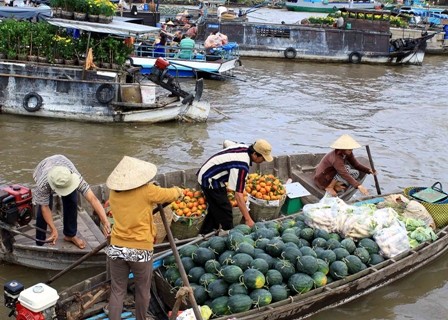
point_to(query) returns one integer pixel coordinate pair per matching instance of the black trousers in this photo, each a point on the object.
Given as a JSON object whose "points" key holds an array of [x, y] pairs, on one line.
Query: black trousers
{"points": [[219, 211]]}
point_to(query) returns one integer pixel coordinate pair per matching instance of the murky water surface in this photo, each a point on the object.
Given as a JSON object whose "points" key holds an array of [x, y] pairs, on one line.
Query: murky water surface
{"points": [[400, 112]]}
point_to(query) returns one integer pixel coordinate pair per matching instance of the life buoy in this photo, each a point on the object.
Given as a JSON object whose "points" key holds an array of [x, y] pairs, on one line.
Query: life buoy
{"points": [[105, 93], [290, 53], [32, 102], [354, 57]]}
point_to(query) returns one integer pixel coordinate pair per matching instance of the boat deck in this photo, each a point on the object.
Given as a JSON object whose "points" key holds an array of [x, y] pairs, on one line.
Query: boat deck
{"points": [[63, 253]]}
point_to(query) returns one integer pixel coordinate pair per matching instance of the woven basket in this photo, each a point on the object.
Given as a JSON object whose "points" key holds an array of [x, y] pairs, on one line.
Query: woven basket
{"points": [[237, 216], [265, 210], [438, 211], [161, 232], [185, 228]]}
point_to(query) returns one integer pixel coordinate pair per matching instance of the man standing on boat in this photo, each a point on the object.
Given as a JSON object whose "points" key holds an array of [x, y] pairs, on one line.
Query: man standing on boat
{"points": [[339, 168], [229, 166], [57, 173]]}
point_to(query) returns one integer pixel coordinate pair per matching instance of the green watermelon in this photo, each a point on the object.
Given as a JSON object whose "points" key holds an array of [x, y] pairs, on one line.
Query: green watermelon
{"points": [[237, 288], [261, 297], [341, 253], [307, 264], [253, 279], [195, 274], [200, 295], [217, 245], [291, 254], [307, 251], [362, 254], [307, 234], [206, 279], [239, 303], [212, 266], [243, 228], [188, 263], [300, 283], [188, 250], [320, 233], [375, 259], [319, 279], [278, 292], [202, 255], [369, 244], [273, 277], [338, 270], [246, 248], [286, 268], [231, 274], [349, 245], [260, 264], [275, 247], [322, 266], [354, 264], [220, 305], [217, 288], [242, 260]]}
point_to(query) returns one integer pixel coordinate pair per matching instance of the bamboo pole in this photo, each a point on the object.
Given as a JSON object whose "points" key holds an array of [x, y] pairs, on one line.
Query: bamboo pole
{"points": [[377, 185]]}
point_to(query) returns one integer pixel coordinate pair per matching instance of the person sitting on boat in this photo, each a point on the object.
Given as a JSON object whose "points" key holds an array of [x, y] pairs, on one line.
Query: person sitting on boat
{"points": [[212, 42], [159, 45], [229, 166], [339, 20], [57, 173], [186, 47], [339, 168], [132, 198], [177, 38], [192, 31]]}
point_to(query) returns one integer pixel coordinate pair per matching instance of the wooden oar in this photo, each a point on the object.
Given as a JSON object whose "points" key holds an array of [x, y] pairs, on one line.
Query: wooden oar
{"points": [[182, 272], [377, 185]]}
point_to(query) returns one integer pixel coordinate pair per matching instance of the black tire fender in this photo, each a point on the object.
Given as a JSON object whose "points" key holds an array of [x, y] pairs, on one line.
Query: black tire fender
{"points": [[105, 93], [32, 107], [354, 57], [290, 53]]}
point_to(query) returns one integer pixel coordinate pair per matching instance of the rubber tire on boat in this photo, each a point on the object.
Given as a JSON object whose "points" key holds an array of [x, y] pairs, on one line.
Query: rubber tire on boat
{"points": [[290, 53], [105, 93], [27, 99], [354, 57]]}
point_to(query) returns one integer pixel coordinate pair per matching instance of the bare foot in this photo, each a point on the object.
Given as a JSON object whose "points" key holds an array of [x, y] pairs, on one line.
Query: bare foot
{"points": [[76, 241], [331, 191]]}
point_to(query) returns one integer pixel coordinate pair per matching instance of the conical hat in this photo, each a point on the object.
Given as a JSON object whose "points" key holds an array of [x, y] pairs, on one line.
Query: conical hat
{"points": [[345, 142], [130, 173]]}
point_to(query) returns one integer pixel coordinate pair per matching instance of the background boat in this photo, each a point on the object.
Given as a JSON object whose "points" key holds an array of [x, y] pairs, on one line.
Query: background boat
{"points": [[327, 6]]}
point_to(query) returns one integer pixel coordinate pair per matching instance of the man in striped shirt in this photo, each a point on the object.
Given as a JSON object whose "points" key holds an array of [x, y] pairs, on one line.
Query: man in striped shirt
{"points": [[230, 166], [58, 174]]}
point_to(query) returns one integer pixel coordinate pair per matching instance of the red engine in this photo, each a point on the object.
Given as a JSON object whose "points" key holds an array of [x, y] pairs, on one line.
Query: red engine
{"points": [[23, 313], [16, 205]]}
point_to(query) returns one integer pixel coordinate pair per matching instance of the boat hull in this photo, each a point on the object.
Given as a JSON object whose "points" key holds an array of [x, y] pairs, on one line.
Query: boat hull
{"points": [[326, 6], [60, 92]]}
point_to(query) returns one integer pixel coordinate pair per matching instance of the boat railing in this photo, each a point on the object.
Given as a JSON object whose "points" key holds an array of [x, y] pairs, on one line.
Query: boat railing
{"points": [[228, 51]]}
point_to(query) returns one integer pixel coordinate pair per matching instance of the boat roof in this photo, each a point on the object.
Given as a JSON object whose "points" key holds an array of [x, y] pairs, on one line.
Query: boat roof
{"points": [[41, 12], [118, 26]]}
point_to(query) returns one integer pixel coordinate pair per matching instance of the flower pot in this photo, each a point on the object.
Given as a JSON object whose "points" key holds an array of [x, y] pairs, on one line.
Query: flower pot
{"points": [[105, 65], [59, 61], [80, 16], [67, 14], [32, 58], [42, 59], [92, 17], [104, 19], [57, 13], [22, 57]]}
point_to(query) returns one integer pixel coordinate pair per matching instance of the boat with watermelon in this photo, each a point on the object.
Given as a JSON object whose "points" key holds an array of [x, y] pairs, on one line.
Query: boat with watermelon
{"points": [[302, 270]]}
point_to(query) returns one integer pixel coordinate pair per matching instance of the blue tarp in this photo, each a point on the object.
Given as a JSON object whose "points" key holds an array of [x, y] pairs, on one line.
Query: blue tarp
{"points": [[20, 13]]}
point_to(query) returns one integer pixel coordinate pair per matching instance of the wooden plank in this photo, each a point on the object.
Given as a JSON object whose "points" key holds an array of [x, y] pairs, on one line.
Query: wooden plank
{"points": [[91, 226]]}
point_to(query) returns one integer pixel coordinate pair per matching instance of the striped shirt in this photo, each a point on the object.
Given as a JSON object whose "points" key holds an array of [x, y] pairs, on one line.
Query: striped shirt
{"points": [[42, 190], [229, 165]]}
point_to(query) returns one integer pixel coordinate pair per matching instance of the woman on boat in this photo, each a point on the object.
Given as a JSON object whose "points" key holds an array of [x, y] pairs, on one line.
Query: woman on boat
{"points": [[339, 168], [57, 173], [230, 166], [132, 199]]}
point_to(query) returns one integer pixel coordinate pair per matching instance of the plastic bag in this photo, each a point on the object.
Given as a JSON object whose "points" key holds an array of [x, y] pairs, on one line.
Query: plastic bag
{"points": [[188, 314], [392, 240]]}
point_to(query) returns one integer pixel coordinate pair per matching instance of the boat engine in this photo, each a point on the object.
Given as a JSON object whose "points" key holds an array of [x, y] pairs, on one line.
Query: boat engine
{"points": [[16, 206], [35, 303]]}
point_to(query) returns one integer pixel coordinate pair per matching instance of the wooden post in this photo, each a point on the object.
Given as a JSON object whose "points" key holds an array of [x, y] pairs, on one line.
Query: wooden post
{"points": [[377, 185], [183, 274]]}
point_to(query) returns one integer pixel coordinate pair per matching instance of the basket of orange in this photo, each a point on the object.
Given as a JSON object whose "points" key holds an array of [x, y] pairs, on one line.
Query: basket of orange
{"points": [[266, 195], [188, 214]]}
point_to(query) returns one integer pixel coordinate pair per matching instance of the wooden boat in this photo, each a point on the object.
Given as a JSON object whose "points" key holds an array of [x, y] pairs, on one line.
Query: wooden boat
{"points": [[193, 64], [87, 299], [21, 248], [98, 95], [317, 42], [327, 6]]}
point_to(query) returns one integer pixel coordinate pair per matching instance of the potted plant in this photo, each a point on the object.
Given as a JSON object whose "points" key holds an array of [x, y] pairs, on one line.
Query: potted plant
{"points": [[56, 6], [107, 11], [80, 10], [68, 8], [93, 11]]}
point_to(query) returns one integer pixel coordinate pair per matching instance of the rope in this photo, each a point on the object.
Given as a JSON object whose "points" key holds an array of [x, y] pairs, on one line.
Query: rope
{"points": [[183, 293]]}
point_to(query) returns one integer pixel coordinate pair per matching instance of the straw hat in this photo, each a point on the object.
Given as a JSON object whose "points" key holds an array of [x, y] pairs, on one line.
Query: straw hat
{"points": [[264, 148], [170, 23], [63, 181], [345, 142], [130, 173]]}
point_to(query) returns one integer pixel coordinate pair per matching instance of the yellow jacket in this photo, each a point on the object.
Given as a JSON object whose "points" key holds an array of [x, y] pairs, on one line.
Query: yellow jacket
{"points": [[132, 211]]}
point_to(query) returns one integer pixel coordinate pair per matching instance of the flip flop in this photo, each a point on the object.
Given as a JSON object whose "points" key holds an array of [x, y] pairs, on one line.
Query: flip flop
{"points": [[76, 241]]}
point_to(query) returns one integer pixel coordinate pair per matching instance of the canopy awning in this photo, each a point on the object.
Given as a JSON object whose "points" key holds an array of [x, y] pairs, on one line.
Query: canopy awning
{"points": [[19, 13], [117, 27]]}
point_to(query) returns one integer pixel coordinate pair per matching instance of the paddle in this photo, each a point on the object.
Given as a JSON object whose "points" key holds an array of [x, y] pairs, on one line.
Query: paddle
{"points": [[182, 272], [377, 185]]}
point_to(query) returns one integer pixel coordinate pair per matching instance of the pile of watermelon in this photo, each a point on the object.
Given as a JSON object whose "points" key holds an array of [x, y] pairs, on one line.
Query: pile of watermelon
{"points": [[253, 267]]}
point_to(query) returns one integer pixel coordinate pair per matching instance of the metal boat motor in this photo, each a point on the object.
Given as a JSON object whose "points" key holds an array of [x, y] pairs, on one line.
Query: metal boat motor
{"points": [[16, 205], [35, 303]]}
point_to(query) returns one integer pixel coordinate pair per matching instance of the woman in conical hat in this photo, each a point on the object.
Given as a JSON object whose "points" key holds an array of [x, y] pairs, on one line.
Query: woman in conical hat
{"points": [[132, 198], [339, 168]]}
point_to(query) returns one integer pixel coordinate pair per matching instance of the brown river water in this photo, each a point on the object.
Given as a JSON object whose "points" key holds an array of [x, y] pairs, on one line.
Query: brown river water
{"points": [[299, 107]]}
